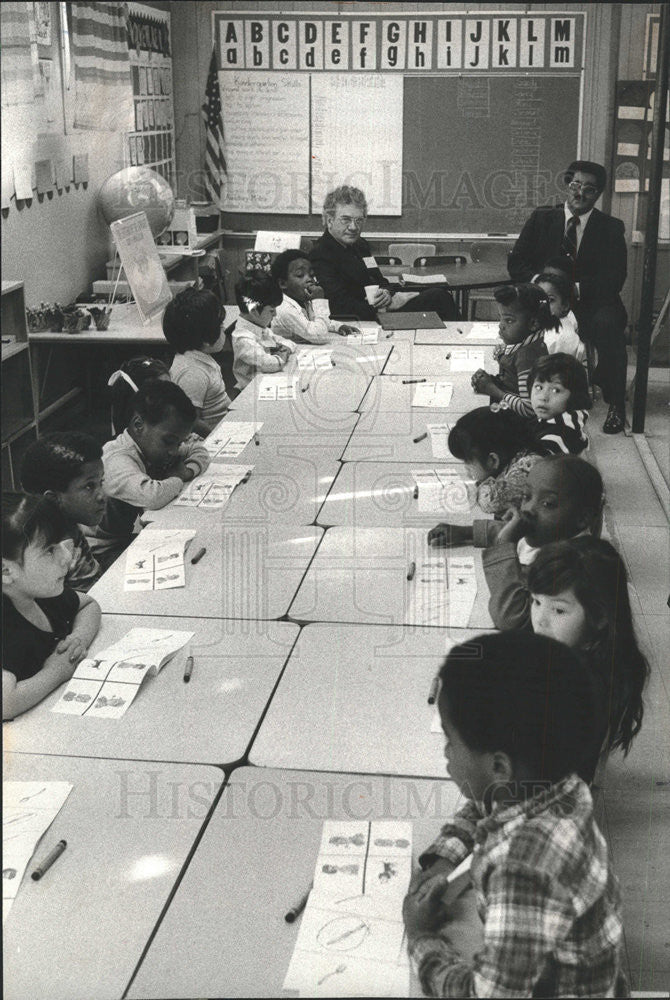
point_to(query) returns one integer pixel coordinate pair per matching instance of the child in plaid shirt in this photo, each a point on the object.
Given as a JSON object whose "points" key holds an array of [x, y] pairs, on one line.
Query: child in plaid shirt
{"points": [[520, 718]]}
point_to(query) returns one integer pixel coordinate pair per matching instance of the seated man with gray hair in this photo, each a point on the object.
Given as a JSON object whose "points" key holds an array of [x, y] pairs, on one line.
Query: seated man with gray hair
{"points": [[344, 265]]}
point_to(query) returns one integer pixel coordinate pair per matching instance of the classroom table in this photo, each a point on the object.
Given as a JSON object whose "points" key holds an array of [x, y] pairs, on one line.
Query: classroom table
{"points": [[80, 930], [249, 571], [460, 332], [393, 394], [368, 707], [288, 488], [370, 494], [360, 575], [224, 933], [460, 278], [295, 428], [386, 435], [430, 361], [210, 720], [328, 393]]}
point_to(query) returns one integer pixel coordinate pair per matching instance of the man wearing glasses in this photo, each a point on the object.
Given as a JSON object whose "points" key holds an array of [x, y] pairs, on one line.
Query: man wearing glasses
{"points": [[344, 266], [595, 250]]}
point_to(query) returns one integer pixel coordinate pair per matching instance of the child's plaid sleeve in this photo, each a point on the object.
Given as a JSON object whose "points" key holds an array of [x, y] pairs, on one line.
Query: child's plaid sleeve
{"points": [[456, 838]]}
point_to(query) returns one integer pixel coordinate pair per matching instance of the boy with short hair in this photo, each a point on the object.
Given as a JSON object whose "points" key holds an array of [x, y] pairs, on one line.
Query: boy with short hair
{"points": [[67, 466], [521, 722], [295, 318], [256, 347], [147, 465]]}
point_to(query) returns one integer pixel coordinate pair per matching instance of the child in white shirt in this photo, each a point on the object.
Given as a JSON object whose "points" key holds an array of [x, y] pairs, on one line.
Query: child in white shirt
{"points": [[296, 318], [256, 347], [565, 340], [192, 325]]}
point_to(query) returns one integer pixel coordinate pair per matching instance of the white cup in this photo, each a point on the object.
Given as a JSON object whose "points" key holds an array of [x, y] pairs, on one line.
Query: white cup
{"points": [[321, 308], [371, 293]]}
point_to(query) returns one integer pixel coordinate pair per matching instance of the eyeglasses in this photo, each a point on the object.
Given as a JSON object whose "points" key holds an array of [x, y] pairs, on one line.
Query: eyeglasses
{"points": [[347, 221], [578, 188]]}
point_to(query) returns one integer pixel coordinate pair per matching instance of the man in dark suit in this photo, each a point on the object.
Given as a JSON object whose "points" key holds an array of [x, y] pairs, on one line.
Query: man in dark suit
{"points": [[595, 244], [344, 265]]}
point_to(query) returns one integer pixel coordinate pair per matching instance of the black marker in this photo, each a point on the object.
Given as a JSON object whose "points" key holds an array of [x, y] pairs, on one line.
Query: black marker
{"points": [[51, 857], [296, 910]]}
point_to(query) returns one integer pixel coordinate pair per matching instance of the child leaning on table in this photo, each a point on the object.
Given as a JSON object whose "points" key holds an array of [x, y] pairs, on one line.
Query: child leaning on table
{"points": [[147, 465], [524, 317], [67, 466], [520, 718], [47, 626], [192, 326], [563, 497], [125, 382], [256, 347]]}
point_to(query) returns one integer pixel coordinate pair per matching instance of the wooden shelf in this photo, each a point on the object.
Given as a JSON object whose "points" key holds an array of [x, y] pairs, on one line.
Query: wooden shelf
{"points": [[19, 414]]}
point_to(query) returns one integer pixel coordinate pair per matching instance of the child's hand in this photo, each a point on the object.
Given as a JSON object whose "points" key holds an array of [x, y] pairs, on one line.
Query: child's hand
{"points": [[424, 914], [62, 664], [316, 292], [445, 536], [282, 353], [74, 646], [513, 527], [347, 331], [482, 382], [421, 880], [185, 472]]}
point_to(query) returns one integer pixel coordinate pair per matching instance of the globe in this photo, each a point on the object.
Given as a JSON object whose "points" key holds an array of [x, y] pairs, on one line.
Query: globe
{"points": [[137, 189]]}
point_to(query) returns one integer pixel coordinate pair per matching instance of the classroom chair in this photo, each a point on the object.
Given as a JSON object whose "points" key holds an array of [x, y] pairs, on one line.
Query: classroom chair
{"points": [[408, 252], [440, 259], [490, 253], [389, 261]]}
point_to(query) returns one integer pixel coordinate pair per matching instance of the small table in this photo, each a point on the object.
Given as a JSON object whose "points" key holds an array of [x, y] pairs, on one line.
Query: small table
{"points": [[368, 708], [210, 720], [81, 930], [249, 571], [224, 933], [460, 278], [388, 436], [460, 333], [430, 361], [360, 575], [394, 394]]}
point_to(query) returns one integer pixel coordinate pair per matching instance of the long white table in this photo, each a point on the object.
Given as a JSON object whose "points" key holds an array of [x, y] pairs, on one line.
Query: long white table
{"points": [[431, 361], [393, 394], [224, 933], [249, 571], [384, 435], [460, 333], [368, 707], [370, 494], [129, 827], [360, 575], [210, 720]]}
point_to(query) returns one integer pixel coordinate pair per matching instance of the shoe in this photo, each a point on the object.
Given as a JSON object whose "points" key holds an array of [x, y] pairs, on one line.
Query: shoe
{"points": [[615, 420]]}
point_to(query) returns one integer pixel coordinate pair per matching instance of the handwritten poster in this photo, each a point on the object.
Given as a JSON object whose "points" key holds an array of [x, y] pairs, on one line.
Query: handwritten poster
{"points": [[266, 125], [140, 260]]}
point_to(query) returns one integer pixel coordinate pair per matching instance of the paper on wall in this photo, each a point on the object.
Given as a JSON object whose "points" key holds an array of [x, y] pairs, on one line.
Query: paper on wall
{"points": [[467, 359], [28, 810], [351, 937], [230, 438], [436, 394], [104, 686], [270, 242]]}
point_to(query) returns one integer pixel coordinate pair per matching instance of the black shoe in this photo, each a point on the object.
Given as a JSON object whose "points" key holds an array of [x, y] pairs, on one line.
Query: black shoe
{"points": [[615, 420]]}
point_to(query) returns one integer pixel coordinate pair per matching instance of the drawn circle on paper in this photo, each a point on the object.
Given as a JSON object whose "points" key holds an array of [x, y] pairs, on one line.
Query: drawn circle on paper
{"points": [[345, 933]]}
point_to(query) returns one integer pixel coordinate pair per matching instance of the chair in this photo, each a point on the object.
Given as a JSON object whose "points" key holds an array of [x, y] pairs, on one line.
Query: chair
{"points": [[390, 261], [490, 253], [408, 252], [440, 259]]}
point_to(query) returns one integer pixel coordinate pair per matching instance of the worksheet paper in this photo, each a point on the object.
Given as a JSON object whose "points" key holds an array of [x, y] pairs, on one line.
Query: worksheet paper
{"points": [[441, 491], [484, 331], [276, 387], [462, 589], [436, 394], [213, 490], [467, 359], [311, 359], [427, 591], [439, 437], [425, 279], [28, 810], [155, 560], [105, 685], [369, 333], [230, 438], [351, 937]]}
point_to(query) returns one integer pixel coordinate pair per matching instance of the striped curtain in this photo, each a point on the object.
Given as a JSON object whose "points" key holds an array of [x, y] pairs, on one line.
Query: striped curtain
{"points": [[17, 63], [103, 89]]}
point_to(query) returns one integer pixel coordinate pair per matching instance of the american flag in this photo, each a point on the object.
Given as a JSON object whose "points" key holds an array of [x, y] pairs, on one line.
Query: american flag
{"points": [[215, 158]]}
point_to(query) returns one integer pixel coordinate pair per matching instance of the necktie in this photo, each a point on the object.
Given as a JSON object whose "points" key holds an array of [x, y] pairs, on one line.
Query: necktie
{"points": [[569, 243]]}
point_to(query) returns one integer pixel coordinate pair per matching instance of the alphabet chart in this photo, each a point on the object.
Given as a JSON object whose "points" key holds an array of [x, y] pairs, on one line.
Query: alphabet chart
{"points": [[28, 810], [155, 560], [352, 938], [105, 686]]}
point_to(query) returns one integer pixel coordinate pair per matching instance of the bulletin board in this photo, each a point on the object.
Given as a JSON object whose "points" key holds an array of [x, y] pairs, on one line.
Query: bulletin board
{"points": [[480, 114], [151, 143]]}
